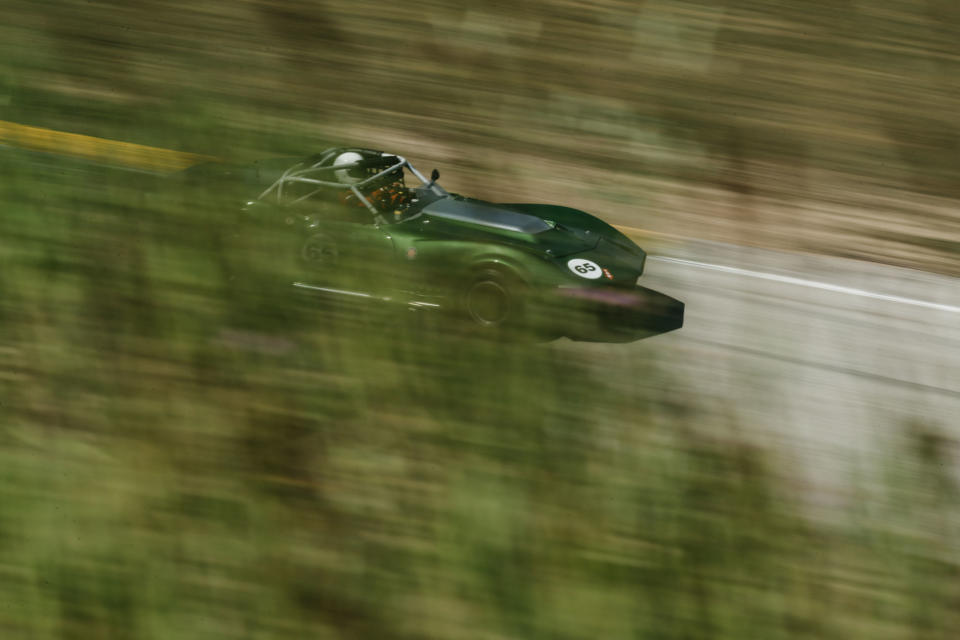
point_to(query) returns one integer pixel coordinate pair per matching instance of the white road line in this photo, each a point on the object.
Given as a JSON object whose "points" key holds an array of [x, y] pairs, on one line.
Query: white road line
{"points": [[813, 284]]}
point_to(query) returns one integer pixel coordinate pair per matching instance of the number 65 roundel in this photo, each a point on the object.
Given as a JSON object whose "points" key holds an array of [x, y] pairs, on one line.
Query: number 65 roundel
{"points": [[585, 268]]}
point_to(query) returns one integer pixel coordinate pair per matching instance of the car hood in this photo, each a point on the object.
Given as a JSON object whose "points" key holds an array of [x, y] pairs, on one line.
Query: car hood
{"points": [[621, 260], [557, 231]]}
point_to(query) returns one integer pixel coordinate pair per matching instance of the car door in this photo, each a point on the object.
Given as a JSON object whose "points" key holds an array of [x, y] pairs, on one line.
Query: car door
{"points": [[346, 250]]}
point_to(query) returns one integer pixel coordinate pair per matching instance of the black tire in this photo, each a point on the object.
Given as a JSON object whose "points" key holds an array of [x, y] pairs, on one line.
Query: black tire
{"points": [[493, 302]]}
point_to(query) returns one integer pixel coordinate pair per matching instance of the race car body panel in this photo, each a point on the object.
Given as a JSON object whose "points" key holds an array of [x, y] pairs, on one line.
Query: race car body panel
{"points": [[361, 233]]}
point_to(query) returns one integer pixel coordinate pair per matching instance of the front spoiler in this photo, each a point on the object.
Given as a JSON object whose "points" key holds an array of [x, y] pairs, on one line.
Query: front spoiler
{"points": [[607, 314]]}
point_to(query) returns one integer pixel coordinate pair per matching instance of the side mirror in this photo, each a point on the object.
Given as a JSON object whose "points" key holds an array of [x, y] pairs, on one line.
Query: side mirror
{"points": [[432, 185]]}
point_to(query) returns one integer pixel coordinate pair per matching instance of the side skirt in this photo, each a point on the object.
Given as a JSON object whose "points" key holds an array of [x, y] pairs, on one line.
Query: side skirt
{"points": [[345, 293]]}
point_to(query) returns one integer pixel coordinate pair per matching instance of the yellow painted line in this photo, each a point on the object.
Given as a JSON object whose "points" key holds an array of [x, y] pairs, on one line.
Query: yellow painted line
{"points": [[113, 152]]}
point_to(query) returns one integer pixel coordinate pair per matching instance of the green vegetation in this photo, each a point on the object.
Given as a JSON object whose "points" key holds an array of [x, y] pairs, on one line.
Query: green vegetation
{"points": [[186, 454]]}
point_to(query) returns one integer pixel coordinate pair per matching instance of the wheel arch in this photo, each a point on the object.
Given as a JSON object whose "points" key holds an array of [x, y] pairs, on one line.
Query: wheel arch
{"points": [[503, 263]]}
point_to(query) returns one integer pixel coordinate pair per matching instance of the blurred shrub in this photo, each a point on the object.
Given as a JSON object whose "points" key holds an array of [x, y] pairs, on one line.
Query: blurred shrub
{"points": [[187, 455]]}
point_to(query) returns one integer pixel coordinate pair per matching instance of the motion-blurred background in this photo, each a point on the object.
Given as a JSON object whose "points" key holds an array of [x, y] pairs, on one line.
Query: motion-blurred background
{"points": [[184, 455]]}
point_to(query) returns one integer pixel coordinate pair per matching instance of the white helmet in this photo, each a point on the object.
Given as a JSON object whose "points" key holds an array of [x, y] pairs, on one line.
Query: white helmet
{"points": [[348, 175]]}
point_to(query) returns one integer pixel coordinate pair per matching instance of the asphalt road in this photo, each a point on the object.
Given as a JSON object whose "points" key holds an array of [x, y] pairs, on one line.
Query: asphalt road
{"points": [[822, 361]]}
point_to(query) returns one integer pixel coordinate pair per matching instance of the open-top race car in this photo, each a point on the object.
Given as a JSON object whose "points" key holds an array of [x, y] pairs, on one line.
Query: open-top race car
{"points": [[362, 233]]}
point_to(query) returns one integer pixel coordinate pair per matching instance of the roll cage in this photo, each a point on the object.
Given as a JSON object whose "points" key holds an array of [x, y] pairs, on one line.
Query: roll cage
{"points": [[316, 171]]}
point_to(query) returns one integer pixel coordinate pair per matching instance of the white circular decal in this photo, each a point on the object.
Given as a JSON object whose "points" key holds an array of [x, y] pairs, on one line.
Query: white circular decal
{"points": [[585, 268]]}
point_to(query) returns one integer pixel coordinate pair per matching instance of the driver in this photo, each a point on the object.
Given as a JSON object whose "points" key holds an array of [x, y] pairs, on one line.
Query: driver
{"points": [[392, 196], [388, 193]]}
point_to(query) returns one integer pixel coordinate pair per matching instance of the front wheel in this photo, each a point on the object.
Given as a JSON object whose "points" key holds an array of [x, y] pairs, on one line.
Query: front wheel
{"points": [[489, 303], [494, 303]]}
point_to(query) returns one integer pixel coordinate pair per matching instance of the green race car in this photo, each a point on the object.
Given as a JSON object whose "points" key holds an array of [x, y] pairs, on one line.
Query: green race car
{"points": [[361, 233]]}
